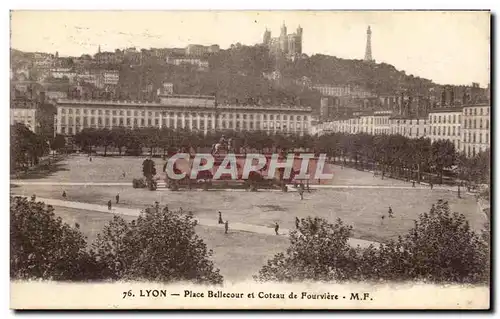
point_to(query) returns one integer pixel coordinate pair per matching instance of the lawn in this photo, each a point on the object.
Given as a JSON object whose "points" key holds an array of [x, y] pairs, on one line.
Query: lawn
{"points": [[361, 208], [78, 168], [231, 253]]}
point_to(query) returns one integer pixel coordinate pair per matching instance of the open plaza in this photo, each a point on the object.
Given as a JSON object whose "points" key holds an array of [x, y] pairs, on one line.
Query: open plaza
{"points": [[358, 198]]}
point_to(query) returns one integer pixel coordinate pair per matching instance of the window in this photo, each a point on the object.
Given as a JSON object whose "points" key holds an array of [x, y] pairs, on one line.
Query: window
{"points": [[481, 111], [487, 124], [121, 113], [480, 138], [475, 111], [486, 138], [474, 138], [128, 113], [481, 123], [453, 130], [474, 122], [114, 112], [444, 118], [149, 122], [439, 118], [150, 113]]}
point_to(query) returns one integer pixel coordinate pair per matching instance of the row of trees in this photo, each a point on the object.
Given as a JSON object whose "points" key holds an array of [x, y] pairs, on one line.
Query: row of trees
{"points": [[396, 155], [162, 246], [27, 148], [440, 248]]}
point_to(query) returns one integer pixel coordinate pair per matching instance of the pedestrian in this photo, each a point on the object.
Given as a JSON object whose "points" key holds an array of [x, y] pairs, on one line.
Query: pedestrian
{"points": [[413, 184], [276, 228], [383, 217], [308, 189], [297, 222], [117, 198], [33, 197], [157, 205], [109, 204], [220, 218], [431, 184], [90, 158], [301, 193], [64, 194], [123, 174], [390, 213], [226, 227]]}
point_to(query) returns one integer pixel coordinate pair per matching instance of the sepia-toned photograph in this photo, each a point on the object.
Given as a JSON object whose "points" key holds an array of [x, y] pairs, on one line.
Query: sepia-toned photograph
{"points": [[250, 160]]}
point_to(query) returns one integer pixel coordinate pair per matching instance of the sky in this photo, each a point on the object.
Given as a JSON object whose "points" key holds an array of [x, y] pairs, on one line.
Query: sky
{"points": [[446, 47]]}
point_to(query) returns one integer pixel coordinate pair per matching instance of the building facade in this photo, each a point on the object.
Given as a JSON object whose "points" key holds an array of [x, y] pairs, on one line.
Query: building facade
{"points": [[445, 124], [476, 132], [189, 112], [409, 127], [26, 116], [111, 77]]}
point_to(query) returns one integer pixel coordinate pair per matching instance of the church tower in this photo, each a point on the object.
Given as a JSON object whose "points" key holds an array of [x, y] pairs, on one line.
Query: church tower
{"points": [[267, 37], [298, 45], [283, 39], [368, 52]]}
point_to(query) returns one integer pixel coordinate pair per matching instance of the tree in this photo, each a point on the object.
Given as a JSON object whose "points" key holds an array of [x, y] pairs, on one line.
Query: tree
{"points": [[443, 156], [119, 137], [104, 138], [58, 143], [87, 138], [148, 170], [318, 251], [159, 246], [43, 247]]}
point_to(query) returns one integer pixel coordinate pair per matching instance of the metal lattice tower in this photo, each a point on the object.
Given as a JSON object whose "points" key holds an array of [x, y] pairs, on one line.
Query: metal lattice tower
{"points": [[368, 52]]}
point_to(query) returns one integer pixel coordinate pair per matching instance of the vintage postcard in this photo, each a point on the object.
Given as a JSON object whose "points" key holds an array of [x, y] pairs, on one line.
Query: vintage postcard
{"points": [[250, 160]]}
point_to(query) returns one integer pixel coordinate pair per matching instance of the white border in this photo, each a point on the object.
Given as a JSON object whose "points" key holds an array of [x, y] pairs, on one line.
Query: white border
{"points": [[191, 5]]}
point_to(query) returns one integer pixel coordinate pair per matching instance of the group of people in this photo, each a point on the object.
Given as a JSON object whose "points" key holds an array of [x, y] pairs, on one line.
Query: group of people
{"points": [[276, 225]]}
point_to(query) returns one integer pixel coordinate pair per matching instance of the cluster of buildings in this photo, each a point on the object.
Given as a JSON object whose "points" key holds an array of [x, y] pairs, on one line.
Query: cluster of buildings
{"points": [[466, 127], [98, 77]]}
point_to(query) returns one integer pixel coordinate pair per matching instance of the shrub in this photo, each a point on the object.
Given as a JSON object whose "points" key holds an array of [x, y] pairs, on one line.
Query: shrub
{"points": [[138, 183], [43, 247], [159, 246]]}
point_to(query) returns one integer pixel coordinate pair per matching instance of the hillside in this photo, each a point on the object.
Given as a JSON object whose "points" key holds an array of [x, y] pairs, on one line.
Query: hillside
{"points": [[236, 75]]}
